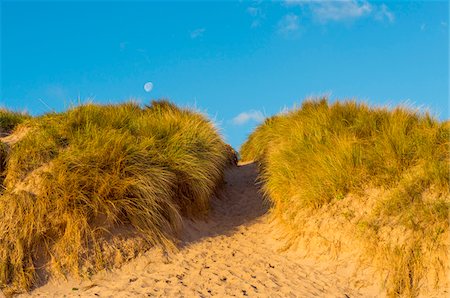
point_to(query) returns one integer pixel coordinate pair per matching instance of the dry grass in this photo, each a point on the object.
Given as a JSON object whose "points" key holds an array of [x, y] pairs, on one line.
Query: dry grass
{"points": [[76, 175], [8, 122], [320, 154], [10, 119]]}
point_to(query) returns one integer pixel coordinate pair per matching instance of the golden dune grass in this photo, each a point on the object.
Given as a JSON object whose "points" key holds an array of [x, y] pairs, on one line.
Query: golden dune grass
{"points": [[321, 157], [10, 119], [74, 176]]}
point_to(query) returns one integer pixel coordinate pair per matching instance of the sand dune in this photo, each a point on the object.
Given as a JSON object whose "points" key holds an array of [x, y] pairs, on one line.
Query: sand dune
{"points": [[233, 253]]}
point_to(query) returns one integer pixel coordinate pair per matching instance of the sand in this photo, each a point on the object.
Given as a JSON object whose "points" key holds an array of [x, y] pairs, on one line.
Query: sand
{"points": [[234, 253]]}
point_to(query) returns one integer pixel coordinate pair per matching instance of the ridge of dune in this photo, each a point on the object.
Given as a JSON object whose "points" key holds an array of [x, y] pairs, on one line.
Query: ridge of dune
{"points": [[233, 253]]}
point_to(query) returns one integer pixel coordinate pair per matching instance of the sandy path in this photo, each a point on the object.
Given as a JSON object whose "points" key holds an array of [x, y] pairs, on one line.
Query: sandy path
{"points": [[233, 254]]}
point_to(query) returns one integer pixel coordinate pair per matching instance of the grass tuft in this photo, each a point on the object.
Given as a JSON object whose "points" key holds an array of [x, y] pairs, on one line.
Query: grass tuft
{"points": [[320, 154], [76, 175], [9, 120]]}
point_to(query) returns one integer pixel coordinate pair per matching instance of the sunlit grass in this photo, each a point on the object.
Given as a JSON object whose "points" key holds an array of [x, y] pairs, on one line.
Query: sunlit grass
{"points": [[10, 119], [316, 155], [112, 164]]}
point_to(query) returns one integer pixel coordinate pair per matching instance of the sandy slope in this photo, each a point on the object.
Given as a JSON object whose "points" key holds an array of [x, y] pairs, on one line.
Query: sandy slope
{"points": [[233, 254]]}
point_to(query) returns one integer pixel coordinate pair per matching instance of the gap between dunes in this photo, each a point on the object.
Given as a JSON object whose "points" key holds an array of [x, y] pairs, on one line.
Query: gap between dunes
{"points": [[233, 253]]}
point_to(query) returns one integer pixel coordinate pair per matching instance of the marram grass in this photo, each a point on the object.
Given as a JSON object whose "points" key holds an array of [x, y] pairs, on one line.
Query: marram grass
{"points": [[315, 156], [10, 119], [75, 175]]}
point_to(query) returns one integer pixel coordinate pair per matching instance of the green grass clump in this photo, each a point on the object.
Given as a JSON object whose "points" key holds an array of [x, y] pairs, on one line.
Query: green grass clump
{"points": [[75, 175], [9, 120], [315, 156]]}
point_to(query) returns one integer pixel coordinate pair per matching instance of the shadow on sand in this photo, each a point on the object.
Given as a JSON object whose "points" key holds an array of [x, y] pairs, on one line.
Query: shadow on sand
{"points": [[239, 203]]}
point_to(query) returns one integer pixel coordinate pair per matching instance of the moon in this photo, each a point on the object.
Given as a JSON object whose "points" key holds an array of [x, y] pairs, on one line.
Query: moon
{"points": [[148, 86]]}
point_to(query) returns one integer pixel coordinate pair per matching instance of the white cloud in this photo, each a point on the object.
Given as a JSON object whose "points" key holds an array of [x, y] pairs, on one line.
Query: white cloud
{"points": [[299, 2], [290, 23], [244, 117], [254, 11], [257, 15], [341, 10], [197, 33], [383, 13], [344, 10]]}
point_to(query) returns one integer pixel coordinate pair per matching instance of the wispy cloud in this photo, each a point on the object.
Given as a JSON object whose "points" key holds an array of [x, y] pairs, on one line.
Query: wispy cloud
{"points": [[197, 33], [244, 117], [383, 13], [289, 24], [257, 15], [254, 11], [344, 10], [341, 10], [423, 27]]}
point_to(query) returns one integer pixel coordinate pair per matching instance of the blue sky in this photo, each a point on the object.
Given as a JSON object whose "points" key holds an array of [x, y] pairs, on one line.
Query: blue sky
{"points": [[238, 61]]}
